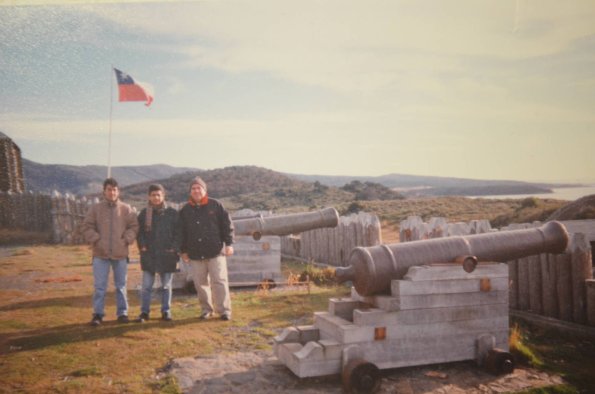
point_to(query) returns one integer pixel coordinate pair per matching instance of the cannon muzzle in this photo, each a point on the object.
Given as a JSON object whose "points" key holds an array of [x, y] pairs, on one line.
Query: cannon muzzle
{"points": [[372, 268], [286, 224]]}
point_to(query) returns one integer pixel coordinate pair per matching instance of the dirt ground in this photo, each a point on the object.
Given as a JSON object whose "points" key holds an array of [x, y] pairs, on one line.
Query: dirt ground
{"points": [[261, 372]]}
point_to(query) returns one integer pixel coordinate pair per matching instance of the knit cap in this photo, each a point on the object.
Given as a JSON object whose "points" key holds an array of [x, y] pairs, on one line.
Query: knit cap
{"points": [[198, 180]]}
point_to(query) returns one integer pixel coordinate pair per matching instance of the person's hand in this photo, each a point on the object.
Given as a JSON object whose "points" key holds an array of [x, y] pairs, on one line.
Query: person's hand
{"points": [[228, 250], [185, 258]]}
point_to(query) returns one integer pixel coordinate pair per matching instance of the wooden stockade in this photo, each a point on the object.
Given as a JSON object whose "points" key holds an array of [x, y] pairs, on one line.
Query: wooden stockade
{"points": [[333, 245], [558, 286], [57, 215], [25, 211], [414, 228]]}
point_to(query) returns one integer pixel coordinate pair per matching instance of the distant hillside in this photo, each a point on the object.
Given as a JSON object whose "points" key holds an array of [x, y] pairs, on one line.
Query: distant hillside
{"points": [[415, 185], [89, 179], [223, 182], [258, 188]]}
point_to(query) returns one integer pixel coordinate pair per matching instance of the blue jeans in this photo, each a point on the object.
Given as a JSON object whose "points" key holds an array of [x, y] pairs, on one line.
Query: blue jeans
{"points": [[166, 290], [100, 276]]}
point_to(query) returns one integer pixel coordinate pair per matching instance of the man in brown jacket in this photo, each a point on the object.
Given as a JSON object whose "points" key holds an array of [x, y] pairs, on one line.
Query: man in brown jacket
{"points": [[110, 226]]}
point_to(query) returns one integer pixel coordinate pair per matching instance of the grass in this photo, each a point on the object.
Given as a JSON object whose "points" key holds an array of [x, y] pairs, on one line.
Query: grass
{"points": [[46, 344], [573, 358]]}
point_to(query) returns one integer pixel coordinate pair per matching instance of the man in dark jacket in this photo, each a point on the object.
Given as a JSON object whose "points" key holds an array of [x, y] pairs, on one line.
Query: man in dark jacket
{"points": [[159, 244], [110, 227], [207, 236]]}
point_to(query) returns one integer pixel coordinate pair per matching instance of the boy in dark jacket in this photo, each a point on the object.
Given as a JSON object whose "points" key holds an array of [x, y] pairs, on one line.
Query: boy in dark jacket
{"points": [[159, 243]]}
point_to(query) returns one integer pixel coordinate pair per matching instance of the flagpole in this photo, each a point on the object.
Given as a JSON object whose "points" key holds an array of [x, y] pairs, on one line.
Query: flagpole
{"points": [[111, 105]]}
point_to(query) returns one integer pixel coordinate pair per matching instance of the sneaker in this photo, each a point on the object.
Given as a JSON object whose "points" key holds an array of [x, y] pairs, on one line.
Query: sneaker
{"points": [[166, 316], [205, 315], [143, 317], [123, 319], [226, 317], [96, 320]]}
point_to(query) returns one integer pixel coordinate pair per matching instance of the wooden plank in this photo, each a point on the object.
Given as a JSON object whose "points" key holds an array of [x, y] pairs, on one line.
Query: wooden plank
{"points": [[514, 284], [535, 302], [581, 270], [590, 285], [548, 276], [563, 286], [523, 277]]}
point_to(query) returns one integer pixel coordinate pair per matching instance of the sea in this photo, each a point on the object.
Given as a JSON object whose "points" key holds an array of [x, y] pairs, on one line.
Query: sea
{"points": [[562, 193]]}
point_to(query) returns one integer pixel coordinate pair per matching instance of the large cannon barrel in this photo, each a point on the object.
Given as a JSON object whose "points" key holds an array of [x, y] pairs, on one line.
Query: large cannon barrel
{"points": [[286, 224], [372, 268]]}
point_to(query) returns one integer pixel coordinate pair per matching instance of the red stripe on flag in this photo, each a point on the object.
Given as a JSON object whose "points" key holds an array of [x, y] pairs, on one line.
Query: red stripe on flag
{"points": [[134, 93]]}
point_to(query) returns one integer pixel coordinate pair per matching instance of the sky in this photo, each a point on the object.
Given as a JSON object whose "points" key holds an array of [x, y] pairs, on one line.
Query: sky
{"points": [[501, 89]]}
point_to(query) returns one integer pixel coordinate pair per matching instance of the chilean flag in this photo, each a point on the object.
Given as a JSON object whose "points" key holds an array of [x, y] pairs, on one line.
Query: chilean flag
{"points": [[131, 90]]}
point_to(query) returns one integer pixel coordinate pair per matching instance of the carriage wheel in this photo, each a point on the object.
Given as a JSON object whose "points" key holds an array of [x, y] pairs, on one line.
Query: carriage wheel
{"points": [[360, 376]]}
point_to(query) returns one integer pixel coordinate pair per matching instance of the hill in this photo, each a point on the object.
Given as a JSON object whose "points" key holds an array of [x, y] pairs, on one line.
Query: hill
{"points": [[416, 185], [259, 188], [583, 208], [89, 179], [223, 182]]}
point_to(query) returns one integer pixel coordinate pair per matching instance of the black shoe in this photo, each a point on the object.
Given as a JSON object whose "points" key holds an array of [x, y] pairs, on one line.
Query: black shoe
{"points": [[225, 317], [143, 317], [205, 315], [123, 319], [166, 316], [96, 320]]}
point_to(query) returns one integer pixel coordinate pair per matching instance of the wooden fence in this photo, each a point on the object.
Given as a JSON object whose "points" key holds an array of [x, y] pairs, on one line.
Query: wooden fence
{"points": [[559, 286], [57, 215], [333, 245]]}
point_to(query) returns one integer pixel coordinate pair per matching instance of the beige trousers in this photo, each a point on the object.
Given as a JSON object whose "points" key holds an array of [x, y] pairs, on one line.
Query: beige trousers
{"points": [[211, 274]]}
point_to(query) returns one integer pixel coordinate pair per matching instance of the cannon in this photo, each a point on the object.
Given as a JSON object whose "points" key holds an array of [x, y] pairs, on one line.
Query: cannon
{"points": [[417, 303], [257, 247], [373, 268], [286, 224]]}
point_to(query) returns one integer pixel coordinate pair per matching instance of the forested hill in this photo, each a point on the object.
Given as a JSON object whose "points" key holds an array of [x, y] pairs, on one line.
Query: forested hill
{"points": [[222, 182], [262, 189]]}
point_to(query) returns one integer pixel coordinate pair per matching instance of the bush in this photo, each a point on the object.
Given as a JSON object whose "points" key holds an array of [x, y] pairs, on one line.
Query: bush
{"points": [[319, 276], [529, 202]]}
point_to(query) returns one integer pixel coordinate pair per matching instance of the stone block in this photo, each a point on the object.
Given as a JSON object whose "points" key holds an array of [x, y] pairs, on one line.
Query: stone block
{"points": [[449, 300], [343, 307], [471, 328], [484, 344], [341, 330], [376, 317], [310, 351], [395, 353], [452, 271], [332, 349], [308, 333], [446, 286], [285, 351], [288, 335]]}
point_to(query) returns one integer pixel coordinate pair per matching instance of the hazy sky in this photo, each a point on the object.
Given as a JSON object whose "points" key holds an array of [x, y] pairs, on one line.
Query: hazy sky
{"points": [[497, 89]]}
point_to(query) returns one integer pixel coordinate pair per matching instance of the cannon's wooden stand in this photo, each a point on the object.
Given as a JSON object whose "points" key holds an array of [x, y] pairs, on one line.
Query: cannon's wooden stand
{"points": [[435, 314]]}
